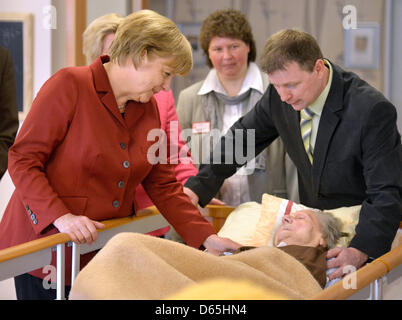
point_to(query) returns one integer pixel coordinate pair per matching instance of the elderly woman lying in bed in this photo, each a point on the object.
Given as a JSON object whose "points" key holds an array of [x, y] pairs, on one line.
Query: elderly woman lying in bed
{"points": [[136, 266], [307, 235]]}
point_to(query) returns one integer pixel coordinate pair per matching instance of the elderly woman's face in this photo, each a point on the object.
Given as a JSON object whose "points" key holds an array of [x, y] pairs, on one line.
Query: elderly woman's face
{"points": [[300, 228], [229, 56]]}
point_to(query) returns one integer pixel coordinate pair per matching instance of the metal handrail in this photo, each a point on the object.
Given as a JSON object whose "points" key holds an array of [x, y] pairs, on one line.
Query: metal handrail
{"points": [[37, 253], [372, 272]]}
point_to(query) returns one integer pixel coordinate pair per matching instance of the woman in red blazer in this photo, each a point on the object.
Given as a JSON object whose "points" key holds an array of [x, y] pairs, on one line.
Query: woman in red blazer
{"points": [[82, 150], [97, 39]]}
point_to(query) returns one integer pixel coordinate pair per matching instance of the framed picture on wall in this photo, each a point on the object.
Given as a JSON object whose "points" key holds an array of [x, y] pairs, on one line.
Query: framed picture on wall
{"points": [[362, 46], [16, 33]]}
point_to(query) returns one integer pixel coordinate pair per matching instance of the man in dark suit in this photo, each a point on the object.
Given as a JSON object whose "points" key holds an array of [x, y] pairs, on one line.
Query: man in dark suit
{"points": [[340, 132], [8, 107]]}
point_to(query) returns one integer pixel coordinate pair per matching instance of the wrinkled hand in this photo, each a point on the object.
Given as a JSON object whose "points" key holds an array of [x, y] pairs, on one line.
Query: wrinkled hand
{"points": [[217, 245], [81, 229], [344, 257]]}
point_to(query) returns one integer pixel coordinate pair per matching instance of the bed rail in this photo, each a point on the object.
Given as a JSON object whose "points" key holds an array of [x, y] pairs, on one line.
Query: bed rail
{"points": [[370, 278], [36, 254], [364, 276]]}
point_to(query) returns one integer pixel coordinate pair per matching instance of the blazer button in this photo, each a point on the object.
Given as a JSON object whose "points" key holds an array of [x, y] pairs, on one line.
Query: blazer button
{"points": [[123, 146], [126, 164], [116, 204], [35, 221], [120, 184], [33, 217]]}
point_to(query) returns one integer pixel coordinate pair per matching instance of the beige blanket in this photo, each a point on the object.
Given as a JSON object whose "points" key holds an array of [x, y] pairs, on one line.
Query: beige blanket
{"points": [[136, 266]]}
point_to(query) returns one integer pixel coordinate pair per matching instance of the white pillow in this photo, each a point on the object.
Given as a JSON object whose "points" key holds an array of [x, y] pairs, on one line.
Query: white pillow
{"points": [[252, 224], [241, 223]]}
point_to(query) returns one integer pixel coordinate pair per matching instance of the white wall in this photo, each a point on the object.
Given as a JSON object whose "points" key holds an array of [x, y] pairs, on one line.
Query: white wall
{"points": [[6, 190], [97, 8], [42, 36], [42, 60], [42, 54]]}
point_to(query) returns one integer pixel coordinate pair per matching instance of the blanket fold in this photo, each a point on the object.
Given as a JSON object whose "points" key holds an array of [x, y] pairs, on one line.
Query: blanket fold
{"points": [[137, 266]]}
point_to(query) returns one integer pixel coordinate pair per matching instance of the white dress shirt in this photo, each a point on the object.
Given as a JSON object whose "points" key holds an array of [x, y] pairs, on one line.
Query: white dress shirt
{"points": [[234, 190]]}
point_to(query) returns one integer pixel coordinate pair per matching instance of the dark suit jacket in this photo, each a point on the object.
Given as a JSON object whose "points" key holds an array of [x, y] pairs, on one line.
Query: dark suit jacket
{"points": [[357, 156], [76, 153], [8, 107]]}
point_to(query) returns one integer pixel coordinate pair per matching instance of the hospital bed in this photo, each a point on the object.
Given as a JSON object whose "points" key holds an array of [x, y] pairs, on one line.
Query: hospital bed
{"points": [[366, 283]]}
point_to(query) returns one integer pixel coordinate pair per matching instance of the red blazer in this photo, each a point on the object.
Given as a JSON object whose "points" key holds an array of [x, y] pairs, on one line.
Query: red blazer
{"points": [[183, 169], [76, 153]]}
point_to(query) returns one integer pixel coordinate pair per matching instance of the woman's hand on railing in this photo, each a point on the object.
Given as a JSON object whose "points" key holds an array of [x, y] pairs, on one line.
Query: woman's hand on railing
{"points": [[81, 229]]}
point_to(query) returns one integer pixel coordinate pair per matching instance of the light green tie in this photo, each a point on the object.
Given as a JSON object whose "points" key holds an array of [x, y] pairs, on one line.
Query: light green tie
{"points": [[305, 126]]}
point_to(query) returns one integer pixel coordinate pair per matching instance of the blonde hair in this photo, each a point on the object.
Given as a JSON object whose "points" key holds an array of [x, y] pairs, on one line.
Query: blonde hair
{"points": [[96, 32], [146, 31]]}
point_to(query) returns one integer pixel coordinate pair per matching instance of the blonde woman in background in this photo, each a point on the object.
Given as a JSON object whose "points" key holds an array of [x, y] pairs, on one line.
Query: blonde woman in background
{"points": [[99, 35]]}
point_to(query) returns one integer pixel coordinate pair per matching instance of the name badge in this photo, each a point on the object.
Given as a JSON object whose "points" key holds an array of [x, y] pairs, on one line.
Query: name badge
{"points": [[201, 127]]}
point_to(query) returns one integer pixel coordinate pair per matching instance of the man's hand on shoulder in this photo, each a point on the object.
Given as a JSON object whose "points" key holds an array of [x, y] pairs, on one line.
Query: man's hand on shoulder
{"points": [[344, 257]]}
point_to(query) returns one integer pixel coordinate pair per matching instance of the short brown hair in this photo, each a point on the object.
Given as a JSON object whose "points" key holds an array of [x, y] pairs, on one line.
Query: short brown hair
{"points": [[227, 23], [146, 31], [290, 45]]}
